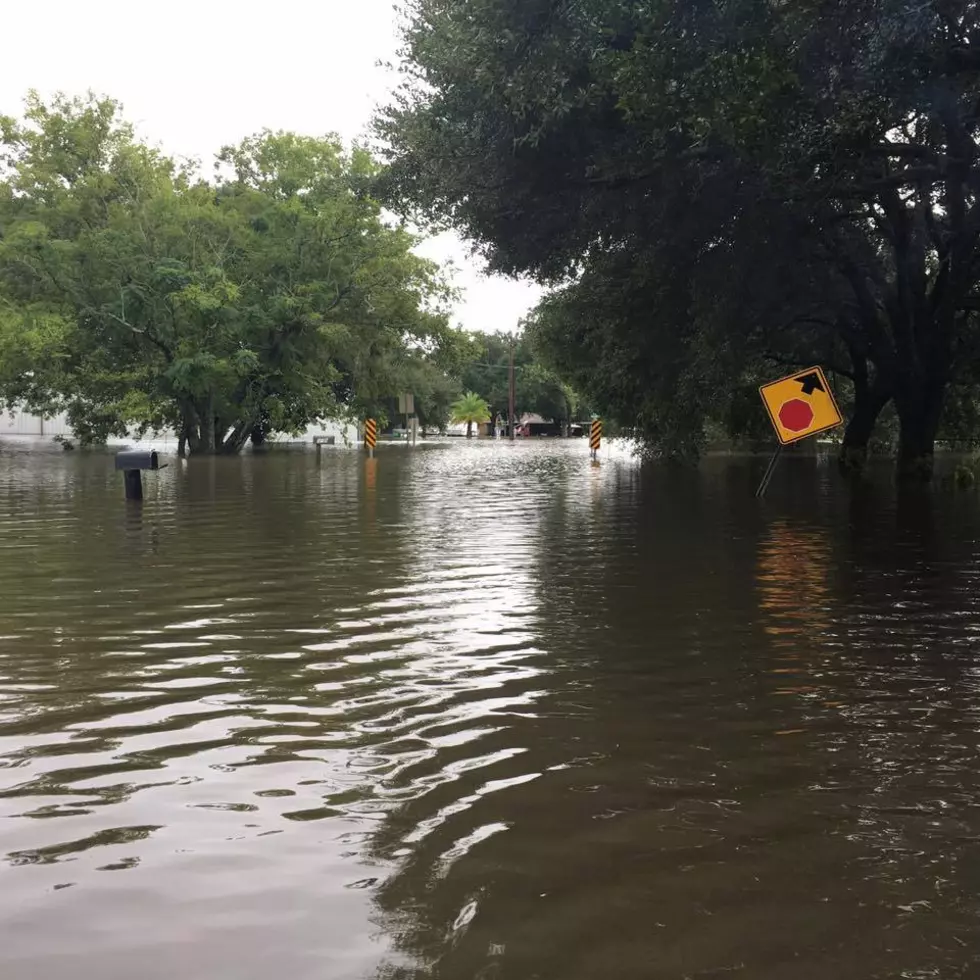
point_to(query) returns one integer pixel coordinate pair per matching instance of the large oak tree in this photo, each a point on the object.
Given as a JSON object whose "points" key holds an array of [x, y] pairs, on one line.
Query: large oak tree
{"points": [[135, 293], [719, 184]]}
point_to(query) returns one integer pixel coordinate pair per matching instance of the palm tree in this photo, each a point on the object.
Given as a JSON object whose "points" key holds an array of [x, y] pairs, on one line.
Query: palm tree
{"points": [[469, 409]]}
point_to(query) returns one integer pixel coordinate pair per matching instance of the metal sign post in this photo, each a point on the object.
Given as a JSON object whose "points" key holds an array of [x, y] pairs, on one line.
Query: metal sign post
{"points": [[511, 392], [406, 407], [770, 469]]}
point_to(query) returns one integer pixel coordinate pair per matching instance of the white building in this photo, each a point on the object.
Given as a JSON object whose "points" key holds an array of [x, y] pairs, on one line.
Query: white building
{"points": [[20, 423]]}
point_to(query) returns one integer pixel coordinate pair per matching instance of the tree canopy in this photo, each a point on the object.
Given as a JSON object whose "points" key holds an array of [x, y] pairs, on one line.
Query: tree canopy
{"points": [[537, 389], [136, 293], [715, 189]]}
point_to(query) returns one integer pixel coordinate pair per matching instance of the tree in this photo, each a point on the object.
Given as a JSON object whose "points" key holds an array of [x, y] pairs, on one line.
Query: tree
{"points": [[434, 378], [671, 153], [486, 371], [469, 409], [267, 299], [537, 389]]}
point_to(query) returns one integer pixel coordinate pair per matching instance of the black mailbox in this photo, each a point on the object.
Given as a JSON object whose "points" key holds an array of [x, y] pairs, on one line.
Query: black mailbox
{"points": [[131, 461], [137, 459]]}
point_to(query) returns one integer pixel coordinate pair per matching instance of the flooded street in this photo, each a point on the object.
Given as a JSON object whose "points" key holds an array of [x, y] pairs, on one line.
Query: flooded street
{"points": [[485, 711]]}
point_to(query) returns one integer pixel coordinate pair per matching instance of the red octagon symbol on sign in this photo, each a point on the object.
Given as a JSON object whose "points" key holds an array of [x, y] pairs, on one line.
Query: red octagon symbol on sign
{"points": [[795, 415]]}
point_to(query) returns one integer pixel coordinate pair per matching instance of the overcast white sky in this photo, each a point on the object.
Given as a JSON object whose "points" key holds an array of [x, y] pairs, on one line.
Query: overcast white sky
{"points": [[196, 74]]}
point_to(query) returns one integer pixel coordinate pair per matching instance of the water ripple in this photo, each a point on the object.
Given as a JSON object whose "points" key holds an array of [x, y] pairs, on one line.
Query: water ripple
{"points": [[480, 708]]}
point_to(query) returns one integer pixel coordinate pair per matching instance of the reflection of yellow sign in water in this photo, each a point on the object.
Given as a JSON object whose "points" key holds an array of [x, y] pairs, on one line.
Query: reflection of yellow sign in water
{"points": [[793, 581], [796, 604], [370, 488], [801, 405]]}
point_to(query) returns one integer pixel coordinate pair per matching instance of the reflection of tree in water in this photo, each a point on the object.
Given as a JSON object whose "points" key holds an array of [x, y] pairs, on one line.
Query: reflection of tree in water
{"points": [[617, 822], [536, 699], [114, 643], [675, 812], [467, 756], [875, 644]]}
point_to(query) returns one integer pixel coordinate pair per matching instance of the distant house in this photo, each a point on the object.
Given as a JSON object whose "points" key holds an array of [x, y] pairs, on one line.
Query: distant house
{"points": [[535, 425]]}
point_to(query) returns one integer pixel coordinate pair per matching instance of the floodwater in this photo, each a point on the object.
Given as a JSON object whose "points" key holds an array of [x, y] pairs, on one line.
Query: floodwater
{"points": [[485, 711]]}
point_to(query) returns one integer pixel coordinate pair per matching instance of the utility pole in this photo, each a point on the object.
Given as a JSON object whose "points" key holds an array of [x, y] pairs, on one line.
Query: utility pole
{"points": [[512, 420]]}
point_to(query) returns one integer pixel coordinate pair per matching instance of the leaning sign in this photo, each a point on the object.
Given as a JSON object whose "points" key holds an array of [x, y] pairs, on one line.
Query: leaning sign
{"points": [[800, 406]]}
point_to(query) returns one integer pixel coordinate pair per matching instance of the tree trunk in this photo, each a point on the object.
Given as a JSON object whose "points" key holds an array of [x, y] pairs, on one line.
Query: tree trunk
{"points": [[182, 442], [209, 426], [469, 430], [236, 439], [190, 428], [205, 434], [258, 433], [869, 401], [920, 410]]}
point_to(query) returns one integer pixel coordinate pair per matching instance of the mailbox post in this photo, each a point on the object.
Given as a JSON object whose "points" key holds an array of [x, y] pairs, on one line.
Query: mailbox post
{"points": [[132, 462]]}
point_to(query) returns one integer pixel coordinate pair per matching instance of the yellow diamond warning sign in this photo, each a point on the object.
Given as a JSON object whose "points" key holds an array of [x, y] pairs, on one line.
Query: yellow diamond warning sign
{"points": [[801, 405]]}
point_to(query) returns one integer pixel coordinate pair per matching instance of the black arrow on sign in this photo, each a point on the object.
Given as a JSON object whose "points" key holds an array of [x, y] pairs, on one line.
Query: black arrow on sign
{"points": [[811, 383]]}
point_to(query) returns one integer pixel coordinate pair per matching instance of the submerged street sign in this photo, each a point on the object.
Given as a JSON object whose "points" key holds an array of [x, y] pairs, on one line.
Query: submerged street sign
{"points": [[801, 405]]}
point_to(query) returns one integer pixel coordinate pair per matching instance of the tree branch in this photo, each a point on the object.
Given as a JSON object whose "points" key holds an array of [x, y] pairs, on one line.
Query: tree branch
{"points": [[808, 362], [136, 330]]}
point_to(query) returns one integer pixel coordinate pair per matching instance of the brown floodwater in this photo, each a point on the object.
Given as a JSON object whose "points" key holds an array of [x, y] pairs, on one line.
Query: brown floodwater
{"points": [[485, 711]]}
